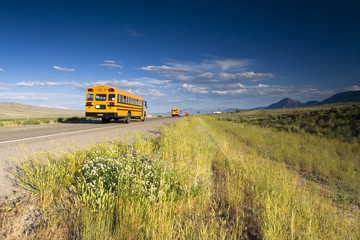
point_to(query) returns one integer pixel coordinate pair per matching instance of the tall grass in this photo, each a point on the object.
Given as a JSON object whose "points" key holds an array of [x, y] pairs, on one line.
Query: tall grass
{"points": [[278, 201], [340, 121], [38, 121], [24, 121], [201, 179], [328, 161]]}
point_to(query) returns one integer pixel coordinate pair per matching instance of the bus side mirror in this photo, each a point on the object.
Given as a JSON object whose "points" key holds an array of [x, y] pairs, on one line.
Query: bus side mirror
{"points": [[146, 104]]}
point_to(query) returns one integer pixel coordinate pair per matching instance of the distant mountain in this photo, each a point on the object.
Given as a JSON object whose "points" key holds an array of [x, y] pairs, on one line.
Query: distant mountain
{"points": [[352, 96], [257, 108], [286, 103], [311, 103]]}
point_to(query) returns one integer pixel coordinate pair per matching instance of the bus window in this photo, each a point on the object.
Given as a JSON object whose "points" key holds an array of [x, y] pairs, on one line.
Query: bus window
{"points": [[90, 97], [100, 97], [111, 97], [124, 99]]}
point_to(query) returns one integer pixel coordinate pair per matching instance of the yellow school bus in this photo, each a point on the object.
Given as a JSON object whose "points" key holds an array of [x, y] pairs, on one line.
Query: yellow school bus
{"points": [[186, 113], [109, 103], [175, 112]]}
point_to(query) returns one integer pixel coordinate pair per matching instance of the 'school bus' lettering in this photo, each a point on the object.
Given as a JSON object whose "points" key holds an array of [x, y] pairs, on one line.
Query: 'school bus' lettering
{"points": [[108, 103]]}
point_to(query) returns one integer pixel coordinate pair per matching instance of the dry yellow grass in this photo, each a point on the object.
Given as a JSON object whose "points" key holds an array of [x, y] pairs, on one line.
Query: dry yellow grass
{"points": [[9, 110]]}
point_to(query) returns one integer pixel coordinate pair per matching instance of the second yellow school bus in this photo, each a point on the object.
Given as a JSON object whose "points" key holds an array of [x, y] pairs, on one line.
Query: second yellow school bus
{"points": [[109, 103], [175, 112]]}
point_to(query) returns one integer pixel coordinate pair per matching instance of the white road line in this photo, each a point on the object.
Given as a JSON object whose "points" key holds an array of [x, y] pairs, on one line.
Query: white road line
{"points": [[53, 135]]}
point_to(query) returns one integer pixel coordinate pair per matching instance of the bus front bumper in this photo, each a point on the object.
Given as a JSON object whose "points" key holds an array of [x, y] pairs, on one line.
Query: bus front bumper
{"points": [[101, 115]]}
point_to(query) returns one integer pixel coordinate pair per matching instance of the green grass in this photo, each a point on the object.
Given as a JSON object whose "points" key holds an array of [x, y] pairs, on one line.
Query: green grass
{"points": [[201, 179], [284, 204], [37, 121], [340, 121], [24, 121]]}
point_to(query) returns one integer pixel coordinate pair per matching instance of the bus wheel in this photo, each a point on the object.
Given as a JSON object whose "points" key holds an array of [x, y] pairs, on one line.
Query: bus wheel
{"points": [[105, 120], [128, 117], [143, 119]]}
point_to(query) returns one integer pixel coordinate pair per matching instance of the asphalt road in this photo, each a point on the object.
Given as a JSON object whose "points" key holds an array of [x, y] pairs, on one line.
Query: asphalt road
{"points": [[17, 143]]}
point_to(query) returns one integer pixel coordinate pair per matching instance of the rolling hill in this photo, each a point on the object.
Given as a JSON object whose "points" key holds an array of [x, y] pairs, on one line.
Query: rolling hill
{"points": [[11, 110]]}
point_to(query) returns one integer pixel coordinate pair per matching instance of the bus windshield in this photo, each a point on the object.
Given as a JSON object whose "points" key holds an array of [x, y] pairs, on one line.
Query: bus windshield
{"points": [[90, 97], [100, 97]]}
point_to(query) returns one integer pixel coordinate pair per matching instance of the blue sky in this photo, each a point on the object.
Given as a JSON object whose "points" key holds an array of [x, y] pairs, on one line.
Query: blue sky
{"points": [[186, 54]]}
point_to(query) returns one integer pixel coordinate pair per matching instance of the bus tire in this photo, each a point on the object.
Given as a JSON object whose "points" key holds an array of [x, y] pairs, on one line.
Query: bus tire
{"points": [[105, 120], [128, 118], [143, 119]]}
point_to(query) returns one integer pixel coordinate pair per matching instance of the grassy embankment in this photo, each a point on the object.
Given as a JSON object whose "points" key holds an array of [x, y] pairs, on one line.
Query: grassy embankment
{"points": [[340, 121], [16, 114], [202, 179]]}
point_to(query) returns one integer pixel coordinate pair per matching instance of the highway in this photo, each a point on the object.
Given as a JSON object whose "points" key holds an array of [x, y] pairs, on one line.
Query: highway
{"points": [[34, 132], [17, 143]]}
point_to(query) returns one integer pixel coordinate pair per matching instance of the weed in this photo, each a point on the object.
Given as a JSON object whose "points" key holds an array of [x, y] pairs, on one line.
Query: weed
{"points": [[201, 179]]}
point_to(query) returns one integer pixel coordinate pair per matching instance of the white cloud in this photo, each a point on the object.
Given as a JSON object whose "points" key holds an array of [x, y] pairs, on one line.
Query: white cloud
{"points": [[221, 92], [123, 83], [216, 65], [134, 33], [2, 70], [174, 100], [228, 64], [354, 88], [50, 84], [228, 91], [111, 64], [195, 89], [237, 91], [251, 76], [152, 81], [169, 69], [113, 82], [155, 92], [63, 69], [109, 61], [209, 71], [198, 100], [242, 76]]}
